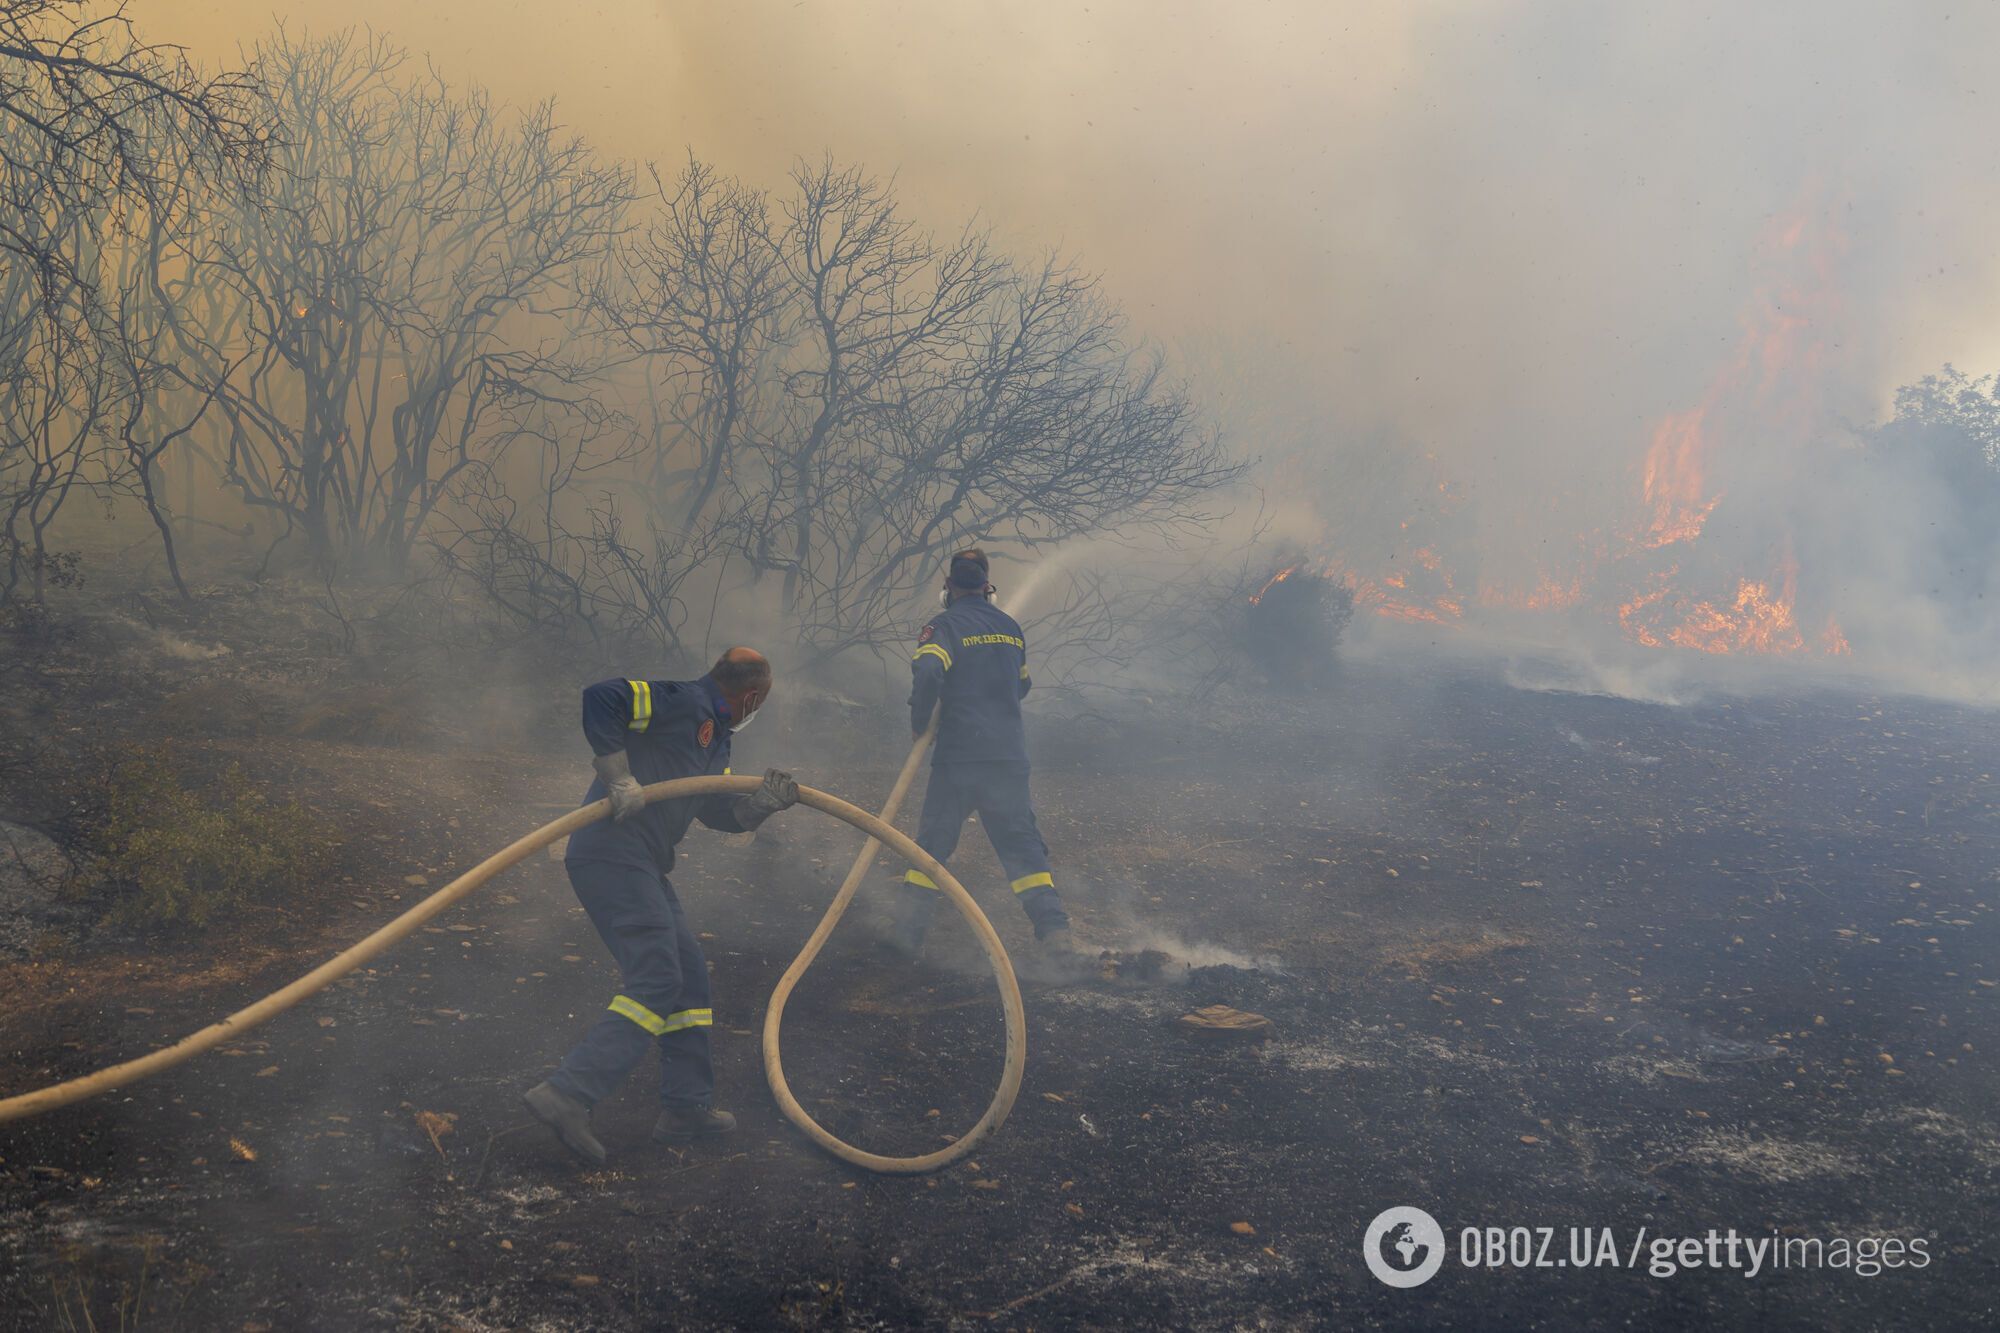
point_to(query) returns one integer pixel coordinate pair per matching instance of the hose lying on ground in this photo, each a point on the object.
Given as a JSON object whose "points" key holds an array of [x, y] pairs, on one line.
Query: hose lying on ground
{"points": [[879, 831], [774, 1012]]}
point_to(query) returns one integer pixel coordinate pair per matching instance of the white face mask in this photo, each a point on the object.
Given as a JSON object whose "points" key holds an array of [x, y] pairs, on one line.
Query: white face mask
{"points": [[735, 727]]}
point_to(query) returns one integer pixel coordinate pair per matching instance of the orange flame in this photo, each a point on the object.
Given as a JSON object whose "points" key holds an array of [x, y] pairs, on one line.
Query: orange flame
{"points": [[1273, 581], [1656, 570], [1672, 480], [1760, 623]]}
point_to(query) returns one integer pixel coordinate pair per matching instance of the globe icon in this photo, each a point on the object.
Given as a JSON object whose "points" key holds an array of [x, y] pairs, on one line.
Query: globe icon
{"points": [[1402, 1248]]}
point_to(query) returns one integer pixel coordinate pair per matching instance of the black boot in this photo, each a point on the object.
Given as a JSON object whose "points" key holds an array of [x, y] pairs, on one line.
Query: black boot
{"points": [[693, 1122], [1052, 931], [569, 1118]]}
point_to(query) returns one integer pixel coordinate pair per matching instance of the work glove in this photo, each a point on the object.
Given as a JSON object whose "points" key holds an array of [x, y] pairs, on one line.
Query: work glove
{"points": [[627, 798], [779, 792]]}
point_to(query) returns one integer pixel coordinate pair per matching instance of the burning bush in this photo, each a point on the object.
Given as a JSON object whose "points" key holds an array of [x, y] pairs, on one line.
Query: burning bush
{"points": [[168, 854], [1294, 623]]}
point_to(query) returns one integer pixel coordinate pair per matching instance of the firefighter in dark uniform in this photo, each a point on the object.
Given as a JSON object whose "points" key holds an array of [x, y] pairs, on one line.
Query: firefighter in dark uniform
{"points": [[642, 732], [973, 659]]}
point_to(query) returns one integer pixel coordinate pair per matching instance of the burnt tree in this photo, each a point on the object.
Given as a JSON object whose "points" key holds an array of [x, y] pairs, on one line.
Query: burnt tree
{"points": [[394, 290]]}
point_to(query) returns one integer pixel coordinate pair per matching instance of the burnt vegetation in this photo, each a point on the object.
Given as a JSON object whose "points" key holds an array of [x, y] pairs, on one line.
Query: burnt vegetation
{"points": [[1292, 626], [350, 418], [334, 318]]}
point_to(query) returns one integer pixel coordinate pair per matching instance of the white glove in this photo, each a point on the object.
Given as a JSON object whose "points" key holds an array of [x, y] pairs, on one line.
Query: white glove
{"points": [[627, 797]]}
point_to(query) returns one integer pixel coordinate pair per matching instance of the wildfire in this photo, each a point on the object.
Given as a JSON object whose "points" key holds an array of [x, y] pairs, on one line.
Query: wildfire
{"points": [[1387, 597], [1760, 623], [1672, 480], [1549, 594], [1271, 582], [1668, 576]]}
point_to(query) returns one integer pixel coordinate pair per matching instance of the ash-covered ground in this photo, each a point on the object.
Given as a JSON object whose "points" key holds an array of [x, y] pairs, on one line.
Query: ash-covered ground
{"points": [[1532, 959]]}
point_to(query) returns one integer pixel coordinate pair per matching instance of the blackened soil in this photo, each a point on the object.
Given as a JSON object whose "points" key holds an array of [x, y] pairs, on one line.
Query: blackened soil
{"points": [[1532, 960]]}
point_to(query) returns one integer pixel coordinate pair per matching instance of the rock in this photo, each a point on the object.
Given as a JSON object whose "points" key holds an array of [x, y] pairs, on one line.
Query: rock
{"points": [[1220, 1022], [32, 871]]}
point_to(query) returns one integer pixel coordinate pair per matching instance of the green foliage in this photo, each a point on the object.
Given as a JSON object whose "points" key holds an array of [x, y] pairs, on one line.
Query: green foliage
{"points": [[1951, 401], [171, 854]]}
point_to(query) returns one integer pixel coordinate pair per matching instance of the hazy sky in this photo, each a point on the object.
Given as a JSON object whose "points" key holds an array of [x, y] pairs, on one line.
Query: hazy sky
{"points": [[1513, 234]]}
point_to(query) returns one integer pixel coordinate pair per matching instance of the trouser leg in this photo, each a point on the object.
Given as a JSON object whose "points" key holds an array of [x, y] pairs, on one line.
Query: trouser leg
{"points": [[947, 803], [1009, 816], [638, 918], [687, 1075]]}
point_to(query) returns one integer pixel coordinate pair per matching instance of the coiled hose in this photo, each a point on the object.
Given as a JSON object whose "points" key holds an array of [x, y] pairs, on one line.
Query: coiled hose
{"points": [[879, 831]]}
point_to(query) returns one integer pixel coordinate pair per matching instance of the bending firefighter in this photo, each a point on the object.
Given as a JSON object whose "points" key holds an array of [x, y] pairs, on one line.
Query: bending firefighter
{"points": [[642, 732], [973, 659]]}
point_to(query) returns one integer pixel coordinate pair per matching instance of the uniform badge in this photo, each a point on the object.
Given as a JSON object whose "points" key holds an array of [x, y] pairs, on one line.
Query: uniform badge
{"points": [[706, 735], [925, 637]]}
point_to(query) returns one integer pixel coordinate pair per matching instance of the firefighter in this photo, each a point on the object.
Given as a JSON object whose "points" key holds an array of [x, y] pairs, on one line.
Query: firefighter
{"points": [[972, 657], [642, 732]]}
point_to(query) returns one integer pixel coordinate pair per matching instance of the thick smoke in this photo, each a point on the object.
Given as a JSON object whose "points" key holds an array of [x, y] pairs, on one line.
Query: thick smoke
{"points": [[1453, 265]]}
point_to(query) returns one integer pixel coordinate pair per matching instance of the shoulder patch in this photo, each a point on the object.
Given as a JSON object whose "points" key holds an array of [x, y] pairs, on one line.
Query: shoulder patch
{"points": [[706, 736], [930, 632]]}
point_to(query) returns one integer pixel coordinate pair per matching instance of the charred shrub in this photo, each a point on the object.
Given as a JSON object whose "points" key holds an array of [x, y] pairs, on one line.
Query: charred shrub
{"points": [[163, 852], [1293, 626]]}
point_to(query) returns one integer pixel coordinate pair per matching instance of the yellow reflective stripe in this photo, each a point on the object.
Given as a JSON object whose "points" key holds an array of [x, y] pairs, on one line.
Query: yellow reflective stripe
{"points": [[727, 770], [627, 1007], [1024, 671], [919, 878], [642, 705], [1040, 879], [933, 650]]}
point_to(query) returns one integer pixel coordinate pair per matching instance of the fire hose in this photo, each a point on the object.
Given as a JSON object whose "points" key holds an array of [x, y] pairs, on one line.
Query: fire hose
{"points": [[879, 830]]}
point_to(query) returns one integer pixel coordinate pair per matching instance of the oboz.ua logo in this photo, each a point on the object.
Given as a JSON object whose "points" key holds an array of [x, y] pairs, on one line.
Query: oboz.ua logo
{"points": [[1404, 1247]]}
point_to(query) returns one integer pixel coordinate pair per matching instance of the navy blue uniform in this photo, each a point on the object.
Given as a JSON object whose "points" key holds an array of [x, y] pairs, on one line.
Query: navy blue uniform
{"points": [[668, 729], [973, 659]]}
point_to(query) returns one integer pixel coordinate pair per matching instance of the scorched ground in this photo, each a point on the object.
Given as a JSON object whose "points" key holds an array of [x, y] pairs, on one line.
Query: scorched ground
{"points": [[1538, 959]]}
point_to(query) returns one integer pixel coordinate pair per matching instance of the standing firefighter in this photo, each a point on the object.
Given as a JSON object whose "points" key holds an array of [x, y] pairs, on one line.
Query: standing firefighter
{"points": [[642, 732], [973, 658]]}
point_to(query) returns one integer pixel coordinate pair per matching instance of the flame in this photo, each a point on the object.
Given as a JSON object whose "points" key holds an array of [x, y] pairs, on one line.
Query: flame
{"points": [[1672, 480], [1550, 593], [1632, 617], [1387, 597], [1756, 620], [1272, 582], [1657, 568], [1759, 623]]}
